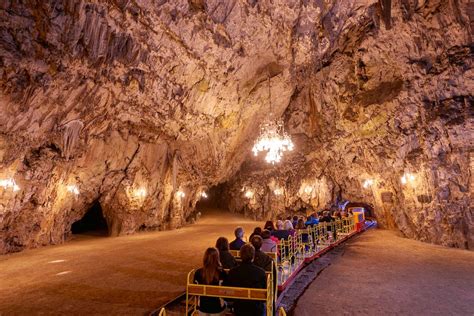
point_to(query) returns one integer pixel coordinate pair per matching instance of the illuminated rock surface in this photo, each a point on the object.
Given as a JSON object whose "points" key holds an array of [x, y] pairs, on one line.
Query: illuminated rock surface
{"points": [[132, 101]]}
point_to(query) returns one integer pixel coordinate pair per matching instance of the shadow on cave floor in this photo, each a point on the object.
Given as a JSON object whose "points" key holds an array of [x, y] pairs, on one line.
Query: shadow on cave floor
{"points": [[91, 225]]}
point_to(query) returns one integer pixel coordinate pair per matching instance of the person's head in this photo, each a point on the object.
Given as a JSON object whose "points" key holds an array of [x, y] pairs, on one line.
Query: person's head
{"points": [[257, 231], [266, 234], [326, 213], [300, 224], [239, 232], [222, 244], [211, 264], [279, 225], [269, 225], [287, 225], [247, 253], [256, 242], [309, 218], [288, 218], [295, 218]]}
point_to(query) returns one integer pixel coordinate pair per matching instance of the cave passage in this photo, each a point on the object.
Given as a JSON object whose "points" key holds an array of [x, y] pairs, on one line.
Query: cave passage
{"points": [[92, 223], [213, 200]]}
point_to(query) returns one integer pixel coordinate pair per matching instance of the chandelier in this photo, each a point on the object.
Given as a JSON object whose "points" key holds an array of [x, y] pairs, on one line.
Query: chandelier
{"points": [[273, 139]]}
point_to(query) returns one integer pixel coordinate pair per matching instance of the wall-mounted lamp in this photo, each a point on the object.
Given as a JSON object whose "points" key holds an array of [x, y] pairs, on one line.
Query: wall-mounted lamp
{"points": [[278, 191], [73, 189], [249, 194], [308, 189], [180, 194], [204, 195], [368, 183], [140, 193], [407, 177], [9, 184]]}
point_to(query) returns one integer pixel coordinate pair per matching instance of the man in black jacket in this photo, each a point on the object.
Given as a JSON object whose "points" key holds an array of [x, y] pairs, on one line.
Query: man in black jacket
{"points": [[261, 259], [250, 276]]}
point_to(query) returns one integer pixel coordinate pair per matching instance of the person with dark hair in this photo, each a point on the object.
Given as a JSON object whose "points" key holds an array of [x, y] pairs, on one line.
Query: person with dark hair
{"points": [[295, 221], [326, 217], [269, 226], [211, 273], [301, 228], [227, 259], [238, 242], [261, 259], [268, 245], [256, 231], [247, 275]]}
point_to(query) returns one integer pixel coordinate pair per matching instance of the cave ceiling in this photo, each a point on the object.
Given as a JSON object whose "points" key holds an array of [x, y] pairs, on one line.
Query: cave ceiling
{"points": [[156, 97]]}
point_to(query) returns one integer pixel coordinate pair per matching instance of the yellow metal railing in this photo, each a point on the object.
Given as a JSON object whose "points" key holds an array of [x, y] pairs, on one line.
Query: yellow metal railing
{"points": [[194, 291], [291, 252]]}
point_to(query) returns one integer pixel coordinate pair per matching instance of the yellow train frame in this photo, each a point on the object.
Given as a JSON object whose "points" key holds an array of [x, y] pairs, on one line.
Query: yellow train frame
{"points": [[194, 291]]}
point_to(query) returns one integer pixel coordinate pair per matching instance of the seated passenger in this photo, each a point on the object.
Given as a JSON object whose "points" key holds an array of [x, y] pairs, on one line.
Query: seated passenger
{"points": [[304, 234], [268, 245], [210, 274], [287, 225], [256, 231], [247, 275], [227, 259], [261, 259], [326, 217], [300, 224], [294, 221], [269, 226], [238, 242], [311, 221], [280, 232]]}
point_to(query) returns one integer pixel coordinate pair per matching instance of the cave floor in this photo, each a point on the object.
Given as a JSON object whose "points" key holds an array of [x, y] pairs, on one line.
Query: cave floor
{"points": [[380, 273], [129, 275]]}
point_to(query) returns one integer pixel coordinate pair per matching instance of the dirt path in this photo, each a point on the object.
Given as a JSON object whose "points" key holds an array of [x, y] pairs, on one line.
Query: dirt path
{"points": [[382, 274], [128, 275]]}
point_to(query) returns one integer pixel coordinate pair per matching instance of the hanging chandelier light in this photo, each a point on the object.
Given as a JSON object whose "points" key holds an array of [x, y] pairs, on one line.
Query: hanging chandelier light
{"points": [[273, 139]]}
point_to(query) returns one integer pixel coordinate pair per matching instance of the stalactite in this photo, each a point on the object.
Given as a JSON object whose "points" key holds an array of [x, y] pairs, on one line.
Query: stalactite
{"points": [[71, 131]]}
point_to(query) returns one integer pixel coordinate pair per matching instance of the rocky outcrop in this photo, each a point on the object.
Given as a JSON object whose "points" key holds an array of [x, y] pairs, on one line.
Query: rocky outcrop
{"points": [[137, 102], [381, 103]]}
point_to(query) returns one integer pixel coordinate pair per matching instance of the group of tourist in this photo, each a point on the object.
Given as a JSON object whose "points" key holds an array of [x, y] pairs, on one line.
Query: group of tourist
{"points": [[250, 272]]}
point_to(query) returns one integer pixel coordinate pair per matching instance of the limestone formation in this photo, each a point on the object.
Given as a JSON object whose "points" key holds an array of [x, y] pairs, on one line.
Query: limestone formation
{"points": [[143, 104]]}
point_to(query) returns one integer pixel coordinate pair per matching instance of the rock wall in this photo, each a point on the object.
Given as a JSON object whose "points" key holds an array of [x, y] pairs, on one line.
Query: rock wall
{"points": [[383, 101], [136, 102]]}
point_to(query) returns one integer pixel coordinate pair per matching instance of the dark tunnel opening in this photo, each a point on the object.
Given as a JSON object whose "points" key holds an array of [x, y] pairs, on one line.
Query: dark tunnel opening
{"points": [[92, 223]]}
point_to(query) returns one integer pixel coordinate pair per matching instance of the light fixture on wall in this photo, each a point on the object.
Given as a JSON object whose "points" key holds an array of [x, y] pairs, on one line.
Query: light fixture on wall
{"points": [[180, 194], [407, 177], [9, 184], [308, 189], [278, 191], [140, 192], [249, 194], [273, 139], [73, 189], [204, 195], [368, 183]]}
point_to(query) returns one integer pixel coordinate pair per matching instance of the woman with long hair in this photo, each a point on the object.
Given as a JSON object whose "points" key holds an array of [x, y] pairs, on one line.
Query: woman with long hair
{"points": [[227, 259], [211, 273], [269, 225]]}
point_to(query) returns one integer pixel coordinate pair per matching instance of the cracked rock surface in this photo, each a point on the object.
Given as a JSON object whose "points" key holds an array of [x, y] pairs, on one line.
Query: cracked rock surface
{"points": [[135, 101]]}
